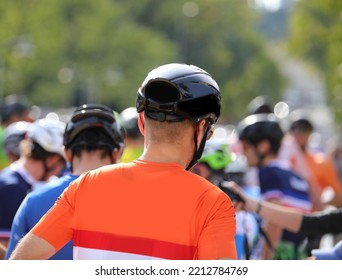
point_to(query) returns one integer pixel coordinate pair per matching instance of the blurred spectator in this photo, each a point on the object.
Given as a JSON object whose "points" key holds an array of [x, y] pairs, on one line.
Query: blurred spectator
{"points": [[321, 166]]}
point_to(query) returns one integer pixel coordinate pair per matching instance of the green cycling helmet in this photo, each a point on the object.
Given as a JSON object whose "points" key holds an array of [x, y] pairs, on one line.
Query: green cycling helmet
{"points": [[216, 155]]}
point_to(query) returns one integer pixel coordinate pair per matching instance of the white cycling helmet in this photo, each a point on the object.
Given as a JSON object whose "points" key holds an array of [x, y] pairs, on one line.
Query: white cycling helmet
{"points": [[49, 135]]}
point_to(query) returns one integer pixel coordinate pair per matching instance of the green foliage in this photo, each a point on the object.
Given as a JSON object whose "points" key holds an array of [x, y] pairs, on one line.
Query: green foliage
{"points": [[62, 53], [316, 34]]}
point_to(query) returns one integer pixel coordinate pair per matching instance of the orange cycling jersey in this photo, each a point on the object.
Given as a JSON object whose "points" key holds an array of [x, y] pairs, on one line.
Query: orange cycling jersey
{"points": [[142, 210]]}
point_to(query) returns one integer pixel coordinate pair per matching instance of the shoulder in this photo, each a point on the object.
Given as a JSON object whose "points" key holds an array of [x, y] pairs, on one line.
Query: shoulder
{"points": [[206, 188], [52, 189], [105, 171]]}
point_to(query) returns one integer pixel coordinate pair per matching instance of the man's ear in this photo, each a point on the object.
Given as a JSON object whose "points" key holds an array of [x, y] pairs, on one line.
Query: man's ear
{"points": [[201, 126], [117, 153], [141, 122]]}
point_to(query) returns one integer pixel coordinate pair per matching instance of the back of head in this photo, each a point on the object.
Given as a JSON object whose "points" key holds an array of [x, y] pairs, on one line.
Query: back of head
{"points": [[301, 125], [92, 127], [13, 105], [129, 120], [174, 92], [258, 127], [47, 138]]}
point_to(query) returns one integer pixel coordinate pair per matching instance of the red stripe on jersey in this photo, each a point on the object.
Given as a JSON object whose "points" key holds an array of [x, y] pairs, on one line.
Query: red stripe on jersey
{"points": [[133, 245]]}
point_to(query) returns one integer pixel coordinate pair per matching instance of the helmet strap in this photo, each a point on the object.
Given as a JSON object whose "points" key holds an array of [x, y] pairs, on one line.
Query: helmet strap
{"points": [[198, 152]]}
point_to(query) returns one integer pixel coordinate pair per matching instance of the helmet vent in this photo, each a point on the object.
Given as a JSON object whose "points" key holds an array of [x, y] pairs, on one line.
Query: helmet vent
{"points": [[162, 92]]}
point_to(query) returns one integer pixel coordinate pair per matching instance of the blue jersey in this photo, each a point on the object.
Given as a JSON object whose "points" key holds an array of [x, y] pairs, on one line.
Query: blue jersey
{"points": [[34, 206], [13, 189], [290, 190]]}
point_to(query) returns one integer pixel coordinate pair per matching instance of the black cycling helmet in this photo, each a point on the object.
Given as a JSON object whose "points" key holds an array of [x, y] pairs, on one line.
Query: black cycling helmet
{"points": [[13, 105], [255, 128], [176, 91], [129, 120], [94, 116]]}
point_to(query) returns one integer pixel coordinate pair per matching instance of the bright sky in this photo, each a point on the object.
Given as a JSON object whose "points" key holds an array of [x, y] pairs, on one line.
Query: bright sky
{"points": [[271, 5]]}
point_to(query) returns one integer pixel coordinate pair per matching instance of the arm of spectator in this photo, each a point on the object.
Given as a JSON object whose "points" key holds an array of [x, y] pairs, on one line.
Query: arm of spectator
{"points": [[286, 218], [328, 221]]}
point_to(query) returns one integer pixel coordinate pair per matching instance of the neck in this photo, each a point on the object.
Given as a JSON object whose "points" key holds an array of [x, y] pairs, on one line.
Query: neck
{"points": [[33, 167], [267, 159], [89, 161], [167, 153]]}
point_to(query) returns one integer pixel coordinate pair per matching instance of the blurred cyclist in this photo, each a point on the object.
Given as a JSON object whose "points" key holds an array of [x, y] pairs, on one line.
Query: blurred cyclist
{"points": [[41, 159], [13, 135], [261, 137], [93, 138], [13, 108]]}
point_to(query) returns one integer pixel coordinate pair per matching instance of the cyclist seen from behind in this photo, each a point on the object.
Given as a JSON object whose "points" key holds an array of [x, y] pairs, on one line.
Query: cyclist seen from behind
{"points": [[158, 209], [93, 138]]}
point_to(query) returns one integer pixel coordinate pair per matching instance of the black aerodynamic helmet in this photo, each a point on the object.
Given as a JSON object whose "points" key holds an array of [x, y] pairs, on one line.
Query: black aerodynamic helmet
{"points": [[94, 116], [175, 91], [255, 128]]}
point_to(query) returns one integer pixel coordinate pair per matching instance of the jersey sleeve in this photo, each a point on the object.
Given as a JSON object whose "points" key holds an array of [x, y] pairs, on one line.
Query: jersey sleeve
{"points": [[217, 239]]}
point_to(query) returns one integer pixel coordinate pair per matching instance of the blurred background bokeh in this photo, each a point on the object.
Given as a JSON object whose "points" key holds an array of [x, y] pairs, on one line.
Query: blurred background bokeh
{"points": [[63, 53]]}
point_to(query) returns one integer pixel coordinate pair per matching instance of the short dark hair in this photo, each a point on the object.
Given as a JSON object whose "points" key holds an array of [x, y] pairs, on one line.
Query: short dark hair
{"points": [[302, 125]]}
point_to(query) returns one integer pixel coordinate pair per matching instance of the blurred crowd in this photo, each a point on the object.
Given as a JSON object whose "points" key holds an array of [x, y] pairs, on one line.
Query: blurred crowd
{"points": [[269, 159]]}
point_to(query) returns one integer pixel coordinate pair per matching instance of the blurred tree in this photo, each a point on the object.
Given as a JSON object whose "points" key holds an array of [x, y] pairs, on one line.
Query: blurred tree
{"points": [[221, 37], [87, 47], [100, 51], [316, 34]]}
